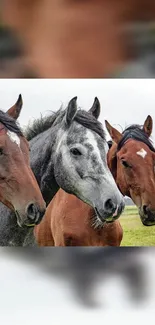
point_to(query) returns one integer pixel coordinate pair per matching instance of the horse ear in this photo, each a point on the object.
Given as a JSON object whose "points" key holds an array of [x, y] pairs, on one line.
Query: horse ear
{"points": [[148, 125], [115, 134], [95, 109], [71, 111], [15, 110]]}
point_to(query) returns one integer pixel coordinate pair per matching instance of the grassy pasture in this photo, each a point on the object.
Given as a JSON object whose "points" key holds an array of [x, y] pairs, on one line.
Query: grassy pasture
{"points": [[134, 233]]}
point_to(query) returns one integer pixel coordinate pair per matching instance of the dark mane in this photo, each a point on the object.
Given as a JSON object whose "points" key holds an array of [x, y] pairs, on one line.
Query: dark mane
{"points": [[90, 122], [10, 123], [41, 124], [82, 117], [135, 132]]}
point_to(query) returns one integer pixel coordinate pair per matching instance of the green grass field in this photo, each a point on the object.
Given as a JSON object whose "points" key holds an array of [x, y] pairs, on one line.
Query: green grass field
{"points": [[134, 233]]}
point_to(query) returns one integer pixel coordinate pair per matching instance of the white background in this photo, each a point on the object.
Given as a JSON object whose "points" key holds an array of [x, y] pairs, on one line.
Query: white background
{"points": [[123, 101]]}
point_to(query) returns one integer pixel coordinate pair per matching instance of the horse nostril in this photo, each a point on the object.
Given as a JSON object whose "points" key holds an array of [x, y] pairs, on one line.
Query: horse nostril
{"points": [[145, 209], [110, 205], [32, 212]]}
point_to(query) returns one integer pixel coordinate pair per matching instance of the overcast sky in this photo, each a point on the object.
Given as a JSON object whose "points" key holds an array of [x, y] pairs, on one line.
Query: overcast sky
{"points": [[123, 101]]}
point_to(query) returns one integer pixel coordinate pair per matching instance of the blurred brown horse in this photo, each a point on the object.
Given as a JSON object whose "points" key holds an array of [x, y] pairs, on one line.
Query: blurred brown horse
{"points": [[80, 39], [18, 187], [131, 160]]}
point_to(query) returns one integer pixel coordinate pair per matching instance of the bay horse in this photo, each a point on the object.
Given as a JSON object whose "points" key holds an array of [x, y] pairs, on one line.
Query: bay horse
{"points": [[19, 190], [70, 222], [75, 39], [68, 150], [131, 160]]}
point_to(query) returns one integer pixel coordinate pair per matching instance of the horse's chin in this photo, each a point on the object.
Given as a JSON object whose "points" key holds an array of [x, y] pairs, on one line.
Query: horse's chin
{"points": [[99, 222], [110, 221], [22, 224], [147, 223], [145, 219]]}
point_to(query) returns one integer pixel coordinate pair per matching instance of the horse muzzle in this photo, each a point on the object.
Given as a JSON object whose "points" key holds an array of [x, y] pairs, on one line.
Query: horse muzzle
{"points": [[111, 211], [147, 216], [33, 216]]}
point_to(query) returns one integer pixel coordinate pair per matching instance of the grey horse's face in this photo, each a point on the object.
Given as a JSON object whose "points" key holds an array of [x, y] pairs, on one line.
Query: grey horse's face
{"points": [[81, 164]]}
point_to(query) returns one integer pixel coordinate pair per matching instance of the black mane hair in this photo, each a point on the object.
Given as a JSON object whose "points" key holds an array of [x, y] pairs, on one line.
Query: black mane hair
{"points": [[135, 132], [40, 125], [90, 122], [82, 117], [10, 123]]}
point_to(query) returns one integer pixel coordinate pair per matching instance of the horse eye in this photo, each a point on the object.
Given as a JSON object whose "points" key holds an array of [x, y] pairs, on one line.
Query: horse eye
{"points": [[76, 152], [125, 164]]}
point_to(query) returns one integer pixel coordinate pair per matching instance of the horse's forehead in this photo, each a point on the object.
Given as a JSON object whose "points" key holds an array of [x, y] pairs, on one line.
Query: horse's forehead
{"points": [[133, 146], [82, 134], [77, 132], [97, 150], [142, 153], [13, 137], [79, 129], [136, 150], [95, 141]]}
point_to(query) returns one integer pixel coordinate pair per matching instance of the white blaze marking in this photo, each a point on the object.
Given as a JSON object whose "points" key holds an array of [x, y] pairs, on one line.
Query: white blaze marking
{"points": [[92, 140], [14, 137], [108, 179], [142, 153], [62, 139]]}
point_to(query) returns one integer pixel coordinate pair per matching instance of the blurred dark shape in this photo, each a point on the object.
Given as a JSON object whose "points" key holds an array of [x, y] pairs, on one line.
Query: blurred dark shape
{"points": [[12, 62], [110, 143], [141, 37], [83, 268], [28, 74], [104, 263], [9, 45], [140, 41]]}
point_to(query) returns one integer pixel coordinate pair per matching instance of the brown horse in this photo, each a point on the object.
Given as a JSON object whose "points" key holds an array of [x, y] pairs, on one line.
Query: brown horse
{"points": [[18, 187], [131, 160], [69, 38], [70, 222]]}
